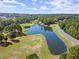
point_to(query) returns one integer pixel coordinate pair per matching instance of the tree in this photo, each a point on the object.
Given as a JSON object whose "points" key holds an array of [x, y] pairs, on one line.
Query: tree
{"points": [[1, 37], [71, 26], [72, 53]]}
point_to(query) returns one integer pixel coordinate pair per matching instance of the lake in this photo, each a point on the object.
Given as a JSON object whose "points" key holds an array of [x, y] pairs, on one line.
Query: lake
{"points": [[55, 44]]}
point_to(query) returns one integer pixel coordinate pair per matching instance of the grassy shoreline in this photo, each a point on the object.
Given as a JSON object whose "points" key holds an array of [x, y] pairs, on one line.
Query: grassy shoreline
{"points": [[60, 35], [25, 25]]}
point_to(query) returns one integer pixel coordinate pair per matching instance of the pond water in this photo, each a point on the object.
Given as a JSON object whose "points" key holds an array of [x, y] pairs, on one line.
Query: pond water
{"points": [[55, 45]]}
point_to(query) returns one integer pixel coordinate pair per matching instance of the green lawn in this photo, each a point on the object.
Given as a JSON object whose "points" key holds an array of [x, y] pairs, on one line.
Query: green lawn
{"points": [[27, 45], [25, 25]]}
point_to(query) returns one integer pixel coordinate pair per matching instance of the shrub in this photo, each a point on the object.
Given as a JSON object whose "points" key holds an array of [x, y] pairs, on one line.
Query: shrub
{"points": [[32, 56]]}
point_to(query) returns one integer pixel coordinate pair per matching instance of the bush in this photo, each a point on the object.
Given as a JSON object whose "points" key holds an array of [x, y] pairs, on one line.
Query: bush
{"points": [[72, 53], [63, 56], [33, 56]]}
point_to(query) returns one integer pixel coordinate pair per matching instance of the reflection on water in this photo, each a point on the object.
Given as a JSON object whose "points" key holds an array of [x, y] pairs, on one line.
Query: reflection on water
{"points": [[56, 46]]}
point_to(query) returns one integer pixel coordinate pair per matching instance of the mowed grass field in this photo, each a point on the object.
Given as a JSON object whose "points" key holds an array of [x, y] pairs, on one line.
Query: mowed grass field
{"points": [[27, 45]]}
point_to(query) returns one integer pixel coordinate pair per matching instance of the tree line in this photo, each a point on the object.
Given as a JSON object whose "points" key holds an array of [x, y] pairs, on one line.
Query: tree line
{"points": [[71, 26], [72, 53], [12, 25]]}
